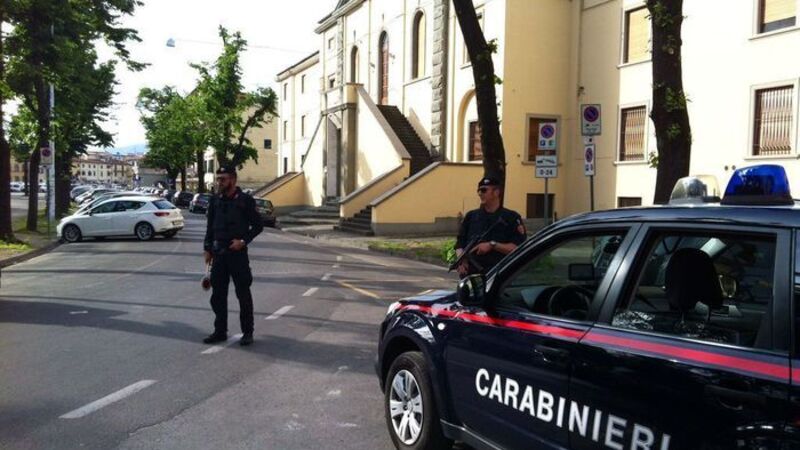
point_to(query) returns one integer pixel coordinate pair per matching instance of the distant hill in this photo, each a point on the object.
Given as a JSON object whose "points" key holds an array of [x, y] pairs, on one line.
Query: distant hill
{"points": [[135, 149]]}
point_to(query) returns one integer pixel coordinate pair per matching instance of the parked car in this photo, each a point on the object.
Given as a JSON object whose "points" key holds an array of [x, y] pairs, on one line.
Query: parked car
{"points": [[108, 195], [669, 327], [266, 211], [142, 217], [182, 199], [199, 203], [17, 186], [91, 195]]}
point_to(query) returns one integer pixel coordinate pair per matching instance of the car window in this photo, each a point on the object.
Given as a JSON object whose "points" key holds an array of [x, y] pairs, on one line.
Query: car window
{"points": [[712, 287], [105, 208], [562, 280], [163, 204], [130, 205]]}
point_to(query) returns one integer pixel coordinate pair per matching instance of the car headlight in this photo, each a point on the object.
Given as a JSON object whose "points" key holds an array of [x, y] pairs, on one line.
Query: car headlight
{"points": [[392, 308]]}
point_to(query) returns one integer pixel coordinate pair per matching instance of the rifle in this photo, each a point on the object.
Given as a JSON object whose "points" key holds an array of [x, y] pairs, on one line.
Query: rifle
{"points": [[471, 246]]}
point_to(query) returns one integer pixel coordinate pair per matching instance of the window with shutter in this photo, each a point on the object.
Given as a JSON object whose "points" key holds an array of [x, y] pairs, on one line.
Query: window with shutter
{"points": [[475, 149], [777, 14], [633, 126], [637, 35], [773, 118]]}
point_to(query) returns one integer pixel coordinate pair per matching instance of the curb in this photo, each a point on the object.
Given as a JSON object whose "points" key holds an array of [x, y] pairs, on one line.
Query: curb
{"points": [[432, 261], [29, 255]]}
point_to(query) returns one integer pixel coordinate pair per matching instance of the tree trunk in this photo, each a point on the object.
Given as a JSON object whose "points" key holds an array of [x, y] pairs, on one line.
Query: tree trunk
{"points": [[62, 181], [670, 115], [201, 171], [6, 231], [480, 54], [25, 171], [43, 140], [183, 178]]}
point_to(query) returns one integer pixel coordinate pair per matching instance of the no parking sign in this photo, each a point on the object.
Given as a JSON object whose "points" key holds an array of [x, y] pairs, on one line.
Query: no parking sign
{"points": [[591, 125]]}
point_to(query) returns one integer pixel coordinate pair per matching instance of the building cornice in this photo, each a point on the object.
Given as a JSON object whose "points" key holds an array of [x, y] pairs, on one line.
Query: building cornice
{"points": [[342, 9], [298, 67]]}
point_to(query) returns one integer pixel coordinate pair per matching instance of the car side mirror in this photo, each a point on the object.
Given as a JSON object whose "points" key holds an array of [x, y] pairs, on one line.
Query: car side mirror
{"points": [[472, 290]]}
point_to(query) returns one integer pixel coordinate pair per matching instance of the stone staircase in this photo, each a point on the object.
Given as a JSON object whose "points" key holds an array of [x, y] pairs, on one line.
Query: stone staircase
{"points": [[327, 214], [420, 156], [361, 223]]}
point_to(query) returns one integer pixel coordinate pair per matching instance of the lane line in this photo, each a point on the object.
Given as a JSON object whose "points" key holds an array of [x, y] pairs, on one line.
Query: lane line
{"points": [[277, 314], [221, 347], [310, 292], [357, 289], [339, 257], [108, 399], [335, 266], [326, 277], [72, 313]]}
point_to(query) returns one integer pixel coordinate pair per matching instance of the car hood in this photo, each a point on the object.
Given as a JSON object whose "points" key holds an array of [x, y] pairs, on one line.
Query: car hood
{"points": [[430, 297]]}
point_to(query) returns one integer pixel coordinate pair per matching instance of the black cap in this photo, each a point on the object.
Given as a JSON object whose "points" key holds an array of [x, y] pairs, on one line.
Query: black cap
{"points": [[230, 170], [488, 181]]}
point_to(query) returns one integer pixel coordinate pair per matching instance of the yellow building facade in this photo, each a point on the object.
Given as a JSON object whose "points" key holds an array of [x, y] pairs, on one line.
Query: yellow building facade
{"points": [[553, 56]]}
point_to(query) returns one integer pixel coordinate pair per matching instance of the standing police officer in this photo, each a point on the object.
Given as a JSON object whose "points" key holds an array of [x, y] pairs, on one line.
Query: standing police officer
{"points": [[490, 232], [232, 224]]}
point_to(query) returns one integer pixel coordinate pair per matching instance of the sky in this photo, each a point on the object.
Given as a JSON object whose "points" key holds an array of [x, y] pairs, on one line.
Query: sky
{"points": [[279, 33]]}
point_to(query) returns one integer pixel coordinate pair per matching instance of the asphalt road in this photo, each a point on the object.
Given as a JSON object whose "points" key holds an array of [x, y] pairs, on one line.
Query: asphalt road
{"points": [[101, 347], [19, 204]]}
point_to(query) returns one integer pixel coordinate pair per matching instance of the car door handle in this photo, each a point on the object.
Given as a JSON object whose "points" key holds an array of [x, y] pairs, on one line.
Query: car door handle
{"points": [[550, 354], [735, 399]]}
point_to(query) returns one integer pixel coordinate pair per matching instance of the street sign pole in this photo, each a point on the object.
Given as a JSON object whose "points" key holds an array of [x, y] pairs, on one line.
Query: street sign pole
{"points": [[591, 193], [546, 201]]}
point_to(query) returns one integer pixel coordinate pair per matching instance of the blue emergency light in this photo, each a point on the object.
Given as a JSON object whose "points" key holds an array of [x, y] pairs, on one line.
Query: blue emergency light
{"points": [[766, 184]]}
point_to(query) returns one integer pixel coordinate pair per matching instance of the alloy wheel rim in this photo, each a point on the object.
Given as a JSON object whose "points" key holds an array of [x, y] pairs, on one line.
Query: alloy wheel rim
{"points": [[144, 231], [405, 407], [71, 233]]}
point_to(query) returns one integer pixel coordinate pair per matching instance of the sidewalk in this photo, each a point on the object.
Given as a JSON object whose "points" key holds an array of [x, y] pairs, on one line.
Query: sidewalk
{"points": [[33, 243], [419, 248]]}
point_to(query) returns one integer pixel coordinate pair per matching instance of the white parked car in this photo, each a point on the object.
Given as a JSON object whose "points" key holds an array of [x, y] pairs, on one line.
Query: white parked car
{"points": [[143, 217], [17, 186]]}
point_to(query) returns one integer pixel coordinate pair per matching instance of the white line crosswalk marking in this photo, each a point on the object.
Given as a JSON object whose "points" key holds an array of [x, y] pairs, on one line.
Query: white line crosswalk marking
{"points": [[221, 347], [107, 400], [283, 310]]}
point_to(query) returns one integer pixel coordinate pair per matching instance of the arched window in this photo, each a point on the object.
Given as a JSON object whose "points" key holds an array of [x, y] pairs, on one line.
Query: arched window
{"points": [[354, 65], [383, 69], [418, 46]]}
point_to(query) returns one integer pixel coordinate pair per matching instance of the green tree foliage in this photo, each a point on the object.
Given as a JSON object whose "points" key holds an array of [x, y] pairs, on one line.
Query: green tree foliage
{"points": [[227, 111], [171, 127], [53, 41]]}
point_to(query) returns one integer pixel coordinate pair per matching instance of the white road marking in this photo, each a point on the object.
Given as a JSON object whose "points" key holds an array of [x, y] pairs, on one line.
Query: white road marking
{"points": [[326, 277], [310, 292], [78, 312], [283, 310], [107, 400], [221, 347], [335, 266], [338, 257]]}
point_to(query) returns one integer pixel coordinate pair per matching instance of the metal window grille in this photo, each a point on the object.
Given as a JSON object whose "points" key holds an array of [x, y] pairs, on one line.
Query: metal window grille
{"points": [[632, 133], [773, 121]]}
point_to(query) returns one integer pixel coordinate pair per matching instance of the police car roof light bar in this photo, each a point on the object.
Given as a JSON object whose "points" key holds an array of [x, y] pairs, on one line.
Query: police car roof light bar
{"points": [[765, 184], [696, 189]]}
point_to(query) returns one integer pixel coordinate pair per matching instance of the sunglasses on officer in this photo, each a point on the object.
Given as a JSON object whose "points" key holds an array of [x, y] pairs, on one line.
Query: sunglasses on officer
{"points": [[484, 189]]}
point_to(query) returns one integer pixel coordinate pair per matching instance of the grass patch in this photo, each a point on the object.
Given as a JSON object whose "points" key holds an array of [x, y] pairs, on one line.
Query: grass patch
{"points": [[19, 225], [14, 246], [438, 250]]}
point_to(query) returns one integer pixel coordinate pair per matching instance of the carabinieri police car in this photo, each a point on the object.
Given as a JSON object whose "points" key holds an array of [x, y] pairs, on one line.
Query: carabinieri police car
{"points": [[659, 328]]}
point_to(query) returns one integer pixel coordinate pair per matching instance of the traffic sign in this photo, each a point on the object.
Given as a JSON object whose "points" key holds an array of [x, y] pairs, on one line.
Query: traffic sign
{"points": [[546, 172], [589, 153], [547, 136], [591, 123], [47, 155], [546, 160]]}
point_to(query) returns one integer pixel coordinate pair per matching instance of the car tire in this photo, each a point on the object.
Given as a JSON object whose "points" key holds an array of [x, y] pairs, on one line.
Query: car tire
{"points": [[170, 234], [409, 400], [71, 233], [144, 231]]}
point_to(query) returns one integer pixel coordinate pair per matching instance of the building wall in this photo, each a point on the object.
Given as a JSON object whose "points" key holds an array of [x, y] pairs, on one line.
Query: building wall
{"points": [[302, 99], [255, 174]]}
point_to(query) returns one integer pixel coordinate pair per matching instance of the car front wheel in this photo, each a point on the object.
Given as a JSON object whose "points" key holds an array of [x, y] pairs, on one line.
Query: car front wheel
{"points": [[71, 233], [144, 231], [410, 411]]}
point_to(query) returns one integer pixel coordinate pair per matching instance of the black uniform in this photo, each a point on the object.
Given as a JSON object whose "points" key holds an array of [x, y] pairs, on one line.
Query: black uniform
{"points": [[506, 227], [231, 218]]}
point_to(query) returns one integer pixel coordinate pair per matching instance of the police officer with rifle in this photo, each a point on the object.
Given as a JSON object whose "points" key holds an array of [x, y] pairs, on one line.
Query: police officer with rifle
{"points": [[488, 233]]}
